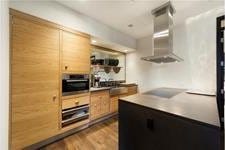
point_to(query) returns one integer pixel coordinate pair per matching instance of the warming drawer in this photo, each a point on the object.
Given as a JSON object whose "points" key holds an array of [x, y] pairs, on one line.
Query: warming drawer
{"points": [[75, 114]]}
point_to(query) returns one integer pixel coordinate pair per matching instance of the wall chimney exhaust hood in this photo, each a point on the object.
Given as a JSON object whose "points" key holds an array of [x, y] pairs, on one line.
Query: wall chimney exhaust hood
{"points": [[163, 35]]}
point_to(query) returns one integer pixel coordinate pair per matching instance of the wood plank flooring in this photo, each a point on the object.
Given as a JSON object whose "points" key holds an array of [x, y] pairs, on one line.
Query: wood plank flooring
{"points": [[102, 136]]}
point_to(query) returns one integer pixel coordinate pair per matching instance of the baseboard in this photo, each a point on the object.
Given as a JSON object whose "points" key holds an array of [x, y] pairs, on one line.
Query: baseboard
{"points": [[102, 119]]}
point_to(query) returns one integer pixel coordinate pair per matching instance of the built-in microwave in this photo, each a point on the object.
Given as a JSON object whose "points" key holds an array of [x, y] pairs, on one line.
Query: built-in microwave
{"points": [[75, 84]]}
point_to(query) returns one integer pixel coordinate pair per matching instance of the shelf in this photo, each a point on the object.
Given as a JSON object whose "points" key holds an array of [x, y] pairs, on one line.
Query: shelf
{"points": [[107, 68], [104, 66]]}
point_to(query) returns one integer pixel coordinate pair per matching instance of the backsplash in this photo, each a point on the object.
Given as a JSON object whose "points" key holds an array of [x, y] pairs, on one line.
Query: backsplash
{"points": [[111, 75]]}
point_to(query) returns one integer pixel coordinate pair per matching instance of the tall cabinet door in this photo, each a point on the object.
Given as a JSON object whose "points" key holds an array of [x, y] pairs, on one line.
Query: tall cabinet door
{"points": [[75, 53], [34, 82]]}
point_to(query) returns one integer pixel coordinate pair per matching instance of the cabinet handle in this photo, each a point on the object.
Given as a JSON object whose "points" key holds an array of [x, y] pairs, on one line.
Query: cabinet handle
{"points": [[66, 67], [54, 98], [150, 124], [76, 102]]}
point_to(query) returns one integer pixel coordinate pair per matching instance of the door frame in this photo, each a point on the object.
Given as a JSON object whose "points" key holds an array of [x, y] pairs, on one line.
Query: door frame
{"points": [[220, 68]]}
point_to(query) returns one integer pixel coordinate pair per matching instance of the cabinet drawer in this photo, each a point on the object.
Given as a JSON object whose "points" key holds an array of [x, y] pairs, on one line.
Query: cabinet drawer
{"points": [[73, 102]]}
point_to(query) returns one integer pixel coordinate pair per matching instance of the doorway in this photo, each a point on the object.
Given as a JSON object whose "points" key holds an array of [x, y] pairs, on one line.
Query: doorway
{"points": [[220, 66]]}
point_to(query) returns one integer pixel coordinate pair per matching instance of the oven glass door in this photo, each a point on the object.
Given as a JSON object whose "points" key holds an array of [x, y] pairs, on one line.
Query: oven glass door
{"points": [[75, 114], [75, 86]]}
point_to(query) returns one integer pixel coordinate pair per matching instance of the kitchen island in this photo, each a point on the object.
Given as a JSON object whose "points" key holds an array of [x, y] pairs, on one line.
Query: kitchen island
{"points": [[182, 121]]}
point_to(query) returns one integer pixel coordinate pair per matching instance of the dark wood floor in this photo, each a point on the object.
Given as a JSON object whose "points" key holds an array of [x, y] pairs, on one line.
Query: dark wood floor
{"points": [[102, 136]]}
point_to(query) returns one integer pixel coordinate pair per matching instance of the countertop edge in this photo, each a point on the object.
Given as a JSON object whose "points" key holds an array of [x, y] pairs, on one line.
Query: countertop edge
{"points": [[175, 115], [99, 89]]}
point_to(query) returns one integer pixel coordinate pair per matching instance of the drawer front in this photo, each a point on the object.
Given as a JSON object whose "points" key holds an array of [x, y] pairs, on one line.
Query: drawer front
{"points": [[68, 103]]}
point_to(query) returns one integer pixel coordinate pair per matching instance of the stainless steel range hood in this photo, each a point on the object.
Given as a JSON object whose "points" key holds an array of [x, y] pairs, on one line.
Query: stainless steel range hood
{"points": [[163, 35]]}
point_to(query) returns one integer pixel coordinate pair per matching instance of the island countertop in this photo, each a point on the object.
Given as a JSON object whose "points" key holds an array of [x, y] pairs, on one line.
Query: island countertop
{"points": [[202, 109]]}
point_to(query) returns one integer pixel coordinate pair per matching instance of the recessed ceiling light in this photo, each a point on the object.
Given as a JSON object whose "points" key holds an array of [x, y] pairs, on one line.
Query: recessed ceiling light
{"points": [[93, 41], [130, 25], [125, 50]]}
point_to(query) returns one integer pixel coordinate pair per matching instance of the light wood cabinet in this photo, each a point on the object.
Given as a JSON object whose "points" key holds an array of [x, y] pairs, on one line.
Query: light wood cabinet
{"points": [[74, 102], [100, 104], [105, 104], [34, 82], [40, 52], [114, 103], [75, 53], [95, 108]]}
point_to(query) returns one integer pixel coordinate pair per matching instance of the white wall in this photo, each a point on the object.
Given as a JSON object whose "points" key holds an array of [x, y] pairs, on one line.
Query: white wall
{"points": [[4, 75], [195, 42], [65, 16]]}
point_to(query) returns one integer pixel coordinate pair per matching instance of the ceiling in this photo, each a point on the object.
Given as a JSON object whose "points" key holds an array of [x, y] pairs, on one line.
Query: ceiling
{"points": [[118, 14]]}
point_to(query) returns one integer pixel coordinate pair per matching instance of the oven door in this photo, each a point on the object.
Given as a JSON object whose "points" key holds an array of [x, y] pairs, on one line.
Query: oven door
{"points": [[75, 114], [75, 86]]}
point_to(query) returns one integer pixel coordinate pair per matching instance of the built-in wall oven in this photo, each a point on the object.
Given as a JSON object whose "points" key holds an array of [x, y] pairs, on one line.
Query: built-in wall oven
{"points": [[75, 84]]}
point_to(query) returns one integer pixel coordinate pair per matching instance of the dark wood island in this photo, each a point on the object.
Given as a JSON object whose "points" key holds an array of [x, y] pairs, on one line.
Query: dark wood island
{"points": [[182, 122]]}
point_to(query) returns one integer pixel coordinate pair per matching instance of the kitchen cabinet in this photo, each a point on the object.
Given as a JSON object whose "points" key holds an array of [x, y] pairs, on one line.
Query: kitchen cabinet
{"points": [[34, 82], [100, 104], [114, 104], [143, 128], [75, 53], [38, 51], [74, 102]]}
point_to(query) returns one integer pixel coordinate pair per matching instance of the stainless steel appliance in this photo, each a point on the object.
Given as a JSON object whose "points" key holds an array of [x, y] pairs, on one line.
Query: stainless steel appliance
{"points": [[75, 84], [75, 114], [163, 35]]}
